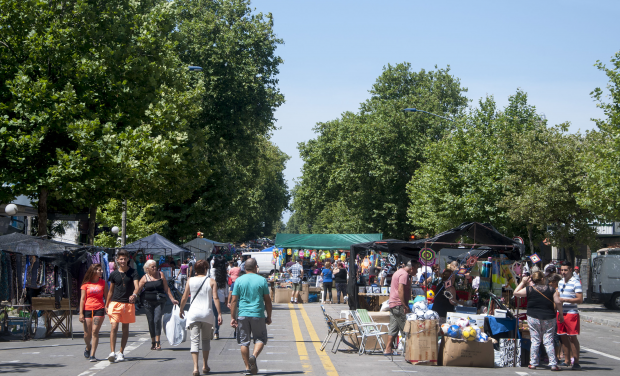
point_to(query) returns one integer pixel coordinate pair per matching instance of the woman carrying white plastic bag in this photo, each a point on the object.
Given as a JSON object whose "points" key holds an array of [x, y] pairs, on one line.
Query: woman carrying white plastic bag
{"points": [[174, 327], [200, 317]]}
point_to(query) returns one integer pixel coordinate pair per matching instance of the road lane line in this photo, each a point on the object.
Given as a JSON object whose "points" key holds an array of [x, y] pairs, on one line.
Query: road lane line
{"points": [[299, 341], [316, 341], [102, 364], [600, 353]]}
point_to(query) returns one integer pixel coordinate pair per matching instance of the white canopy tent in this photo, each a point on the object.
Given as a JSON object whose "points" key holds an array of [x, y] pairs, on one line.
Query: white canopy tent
{"points": [[155, 245]]}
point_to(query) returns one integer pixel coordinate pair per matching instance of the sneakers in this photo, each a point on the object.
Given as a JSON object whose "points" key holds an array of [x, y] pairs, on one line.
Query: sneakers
{"points": [[576, 367], [111, 357], [92, 359], [247, 372], [216, 336], [253, 366], [86, 353], [120, 357]]}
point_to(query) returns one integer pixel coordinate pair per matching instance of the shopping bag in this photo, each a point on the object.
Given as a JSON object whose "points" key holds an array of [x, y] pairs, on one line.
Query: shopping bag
{"points": [[174, 327]]}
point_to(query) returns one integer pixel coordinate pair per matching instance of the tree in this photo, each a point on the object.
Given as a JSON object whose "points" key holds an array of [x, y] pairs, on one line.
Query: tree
{"points": [[140, 222], [94, 103], [356, 171], [244, 192], [601, 159]]}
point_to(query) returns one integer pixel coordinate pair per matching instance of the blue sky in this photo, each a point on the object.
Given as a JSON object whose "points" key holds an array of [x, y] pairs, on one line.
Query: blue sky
{"points": [[334, 50]]}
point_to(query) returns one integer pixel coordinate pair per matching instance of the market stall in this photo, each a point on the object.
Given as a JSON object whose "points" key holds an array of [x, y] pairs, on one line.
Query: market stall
{"points": [[203, 248], [313, 250], [39, 278]]}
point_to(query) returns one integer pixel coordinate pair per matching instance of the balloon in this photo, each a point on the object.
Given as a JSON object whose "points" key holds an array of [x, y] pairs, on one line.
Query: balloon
{"points": [[336, 255], [288, 251], [301, 254], [307, 253], [343, 257], [328, 255]]}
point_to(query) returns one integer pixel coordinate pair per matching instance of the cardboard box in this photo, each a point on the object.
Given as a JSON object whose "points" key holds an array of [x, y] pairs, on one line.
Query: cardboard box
{"points": [[473, 319], [283, 295], [421, 346], [380, 317], [305, 292], [462, 353]]}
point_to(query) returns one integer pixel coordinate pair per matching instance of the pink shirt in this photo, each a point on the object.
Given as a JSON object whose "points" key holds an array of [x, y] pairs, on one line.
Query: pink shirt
{"points": [[401, 277]]}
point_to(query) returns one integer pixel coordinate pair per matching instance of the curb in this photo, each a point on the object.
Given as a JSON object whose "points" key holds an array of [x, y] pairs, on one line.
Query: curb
{"points": [[600, 321]]}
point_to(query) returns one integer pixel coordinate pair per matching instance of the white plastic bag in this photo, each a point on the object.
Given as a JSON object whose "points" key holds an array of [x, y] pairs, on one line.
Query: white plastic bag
{"points": [[385, 306], [174, 327]]}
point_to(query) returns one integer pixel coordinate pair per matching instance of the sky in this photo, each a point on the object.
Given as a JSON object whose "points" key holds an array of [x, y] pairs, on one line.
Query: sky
{"points": [[334, 51]]}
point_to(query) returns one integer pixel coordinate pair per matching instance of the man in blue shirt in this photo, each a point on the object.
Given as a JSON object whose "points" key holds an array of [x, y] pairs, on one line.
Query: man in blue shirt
{"points": [[571, 294], [250, 300]]}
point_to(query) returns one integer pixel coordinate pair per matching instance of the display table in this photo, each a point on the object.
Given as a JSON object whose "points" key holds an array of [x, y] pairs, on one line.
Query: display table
{"points": [[53, 321]]}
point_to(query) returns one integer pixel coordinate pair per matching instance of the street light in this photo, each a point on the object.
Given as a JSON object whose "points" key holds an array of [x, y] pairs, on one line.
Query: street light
{"points": [[416, 110], [115, 230], [11, 209], [193, 68]]}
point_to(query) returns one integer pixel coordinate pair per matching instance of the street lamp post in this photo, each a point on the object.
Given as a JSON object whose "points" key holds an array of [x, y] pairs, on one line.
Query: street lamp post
{"points": [[429, 113]]}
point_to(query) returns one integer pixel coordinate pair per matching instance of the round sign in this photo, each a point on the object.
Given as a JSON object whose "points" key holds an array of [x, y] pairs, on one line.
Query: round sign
{"points": [[428, 257], [518, 239]]}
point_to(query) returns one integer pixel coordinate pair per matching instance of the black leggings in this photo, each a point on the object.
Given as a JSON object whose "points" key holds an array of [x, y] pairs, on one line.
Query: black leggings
{"points": [[154, 314], [341, 288], [327, 286]]}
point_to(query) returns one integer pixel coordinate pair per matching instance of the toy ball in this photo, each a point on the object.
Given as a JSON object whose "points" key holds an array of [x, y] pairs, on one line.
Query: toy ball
{"points": [[477, 329], [431, 315], [411, 317], [453, 331], [418, 312], [482, 337], [469, 333], [430, 294], [444, 328], [462, 323], [420, 305]]}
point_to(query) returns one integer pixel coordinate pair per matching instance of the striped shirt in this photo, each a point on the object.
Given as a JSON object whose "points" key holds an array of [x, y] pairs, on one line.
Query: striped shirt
{"points": [[569, 290]]}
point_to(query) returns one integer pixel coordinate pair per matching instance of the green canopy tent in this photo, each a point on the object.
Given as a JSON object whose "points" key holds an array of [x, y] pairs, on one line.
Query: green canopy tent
{"points": [[323, 241]]}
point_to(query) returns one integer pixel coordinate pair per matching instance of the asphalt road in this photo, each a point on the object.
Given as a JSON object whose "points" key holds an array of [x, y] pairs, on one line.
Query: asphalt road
{"points": [[294, 340]]}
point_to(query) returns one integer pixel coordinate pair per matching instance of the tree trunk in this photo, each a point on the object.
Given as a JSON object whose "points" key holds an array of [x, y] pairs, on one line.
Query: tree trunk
{"points": [[42, 212], [529, 235], [92, 223], [124, 224]]}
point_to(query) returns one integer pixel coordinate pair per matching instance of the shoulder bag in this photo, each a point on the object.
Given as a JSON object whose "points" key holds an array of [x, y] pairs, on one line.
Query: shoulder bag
{"points": [[199, 288]]}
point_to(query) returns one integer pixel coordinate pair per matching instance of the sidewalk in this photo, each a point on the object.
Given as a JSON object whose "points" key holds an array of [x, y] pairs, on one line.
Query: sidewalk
{"points": [[599, 314]]}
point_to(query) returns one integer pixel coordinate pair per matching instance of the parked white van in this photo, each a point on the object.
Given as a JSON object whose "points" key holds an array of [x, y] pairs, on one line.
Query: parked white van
{"points": [[263, 260], [606, 280]]}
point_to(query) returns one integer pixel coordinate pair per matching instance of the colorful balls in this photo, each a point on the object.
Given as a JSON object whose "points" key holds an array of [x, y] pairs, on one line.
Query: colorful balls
{"points": [[453, 331], [469, 333], [462, 323], [420, 305], [431, 315], [444, 328], [482, 337]]}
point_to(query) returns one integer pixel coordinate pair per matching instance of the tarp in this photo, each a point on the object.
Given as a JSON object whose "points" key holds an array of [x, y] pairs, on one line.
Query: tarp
{"points": [[483, 235], [203, 245], [155, 245], [323, 241], [34, 246]]}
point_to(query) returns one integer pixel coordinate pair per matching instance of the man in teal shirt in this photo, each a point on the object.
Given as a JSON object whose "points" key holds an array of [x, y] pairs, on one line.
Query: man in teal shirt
{"points": [[250, 299]]}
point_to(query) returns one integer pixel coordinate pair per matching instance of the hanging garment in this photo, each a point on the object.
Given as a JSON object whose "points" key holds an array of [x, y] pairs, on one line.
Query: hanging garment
{"points": [[96, 258], [104, 264], [5, 266], [49, 279]]}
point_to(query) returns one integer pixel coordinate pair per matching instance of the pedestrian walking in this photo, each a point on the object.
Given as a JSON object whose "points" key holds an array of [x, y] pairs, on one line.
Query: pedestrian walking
{"points": [[221, 280], [571, 294], [250, 300], [200, 317], [400, 293], [541, 316], [92, 308], [328, 279], [155, 292], [297, 271], [340, 279], [120, 303]]}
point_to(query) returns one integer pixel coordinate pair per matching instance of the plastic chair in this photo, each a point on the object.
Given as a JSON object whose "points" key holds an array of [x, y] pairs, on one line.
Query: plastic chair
{"points": [[367, 328]]}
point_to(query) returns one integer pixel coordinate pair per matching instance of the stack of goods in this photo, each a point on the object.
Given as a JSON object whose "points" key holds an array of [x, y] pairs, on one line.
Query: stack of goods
{"points": [[463, 330], [420, 311]]}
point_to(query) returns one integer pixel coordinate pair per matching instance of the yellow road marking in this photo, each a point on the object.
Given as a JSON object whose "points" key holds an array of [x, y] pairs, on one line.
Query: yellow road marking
{"points": [[327, 362], [299, 340]]}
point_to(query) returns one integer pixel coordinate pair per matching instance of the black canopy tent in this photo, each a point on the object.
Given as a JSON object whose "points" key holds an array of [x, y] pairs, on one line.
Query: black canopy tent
{"points": [[486, 241]]}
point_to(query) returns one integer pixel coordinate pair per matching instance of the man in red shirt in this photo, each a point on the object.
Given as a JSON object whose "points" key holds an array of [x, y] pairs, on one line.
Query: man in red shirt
{"points": [[400, 293]]}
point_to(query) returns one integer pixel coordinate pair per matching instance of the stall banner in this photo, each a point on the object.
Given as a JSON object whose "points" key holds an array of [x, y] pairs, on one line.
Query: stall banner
{"points": [[508, 275], [421, 342], [505, 356], [462, 353]]}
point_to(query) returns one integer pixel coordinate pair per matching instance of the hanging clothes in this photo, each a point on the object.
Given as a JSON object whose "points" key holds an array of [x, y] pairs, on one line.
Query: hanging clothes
{"points": [[5, 265]]}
